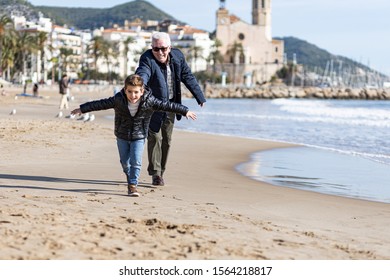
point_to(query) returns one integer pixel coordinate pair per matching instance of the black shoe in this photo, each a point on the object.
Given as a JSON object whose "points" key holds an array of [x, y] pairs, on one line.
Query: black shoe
{"points": [[157, 180]]}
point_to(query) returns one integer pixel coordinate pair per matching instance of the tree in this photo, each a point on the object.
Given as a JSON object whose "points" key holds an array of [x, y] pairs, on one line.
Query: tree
{"points": [[235, 53], [216, 56], [65, 54], [100, 47], [109, 52], [41, 38], [5, 21], [8, 54], [129, 40], [96, 49], [195, 53], [25, 44]]}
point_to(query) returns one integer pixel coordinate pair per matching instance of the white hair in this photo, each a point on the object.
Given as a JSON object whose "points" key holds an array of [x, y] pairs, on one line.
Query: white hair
{"points": [[161, 36]]}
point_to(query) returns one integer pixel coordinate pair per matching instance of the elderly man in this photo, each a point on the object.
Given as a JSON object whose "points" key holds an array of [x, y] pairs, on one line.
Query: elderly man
{"points": [[163, 68]]}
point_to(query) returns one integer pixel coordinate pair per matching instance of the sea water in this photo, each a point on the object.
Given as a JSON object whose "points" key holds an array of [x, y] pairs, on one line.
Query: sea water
{"points": [[345, 144]]}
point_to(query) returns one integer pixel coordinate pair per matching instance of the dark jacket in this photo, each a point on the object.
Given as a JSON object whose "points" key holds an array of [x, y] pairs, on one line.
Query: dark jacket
{"points": [[133, 128], [63, 85], [154, 75]]}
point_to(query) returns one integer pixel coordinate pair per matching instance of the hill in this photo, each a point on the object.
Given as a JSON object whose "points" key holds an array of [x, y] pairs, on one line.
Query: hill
{"points": [[18, 7], [316, 59], [90, 18]]}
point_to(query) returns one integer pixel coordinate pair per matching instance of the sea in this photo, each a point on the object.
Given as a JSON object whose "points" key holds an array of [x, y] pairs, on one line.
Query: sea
{"points": [[344, 145]]}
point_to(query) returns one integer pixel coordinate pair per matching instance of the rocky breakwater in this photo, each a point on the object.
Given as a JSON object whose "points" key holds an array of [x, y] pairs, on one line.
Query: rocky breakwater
{"points": [[271, 92]]}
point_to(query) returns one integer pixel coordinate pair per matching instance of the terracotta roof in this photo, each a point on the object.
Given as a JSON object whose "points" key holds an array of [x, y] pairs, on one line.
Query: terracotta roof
{"points": [[234, 18], [188, 30], [113, 30]]}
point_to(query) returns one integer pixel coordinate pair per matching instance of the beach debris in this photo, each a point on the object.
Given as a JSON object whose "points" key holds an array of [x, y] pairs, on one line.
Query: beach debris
{"points": [[13, 112], [91, 118], [16, 97], [84, 117], [59, 115], [71, 116]]}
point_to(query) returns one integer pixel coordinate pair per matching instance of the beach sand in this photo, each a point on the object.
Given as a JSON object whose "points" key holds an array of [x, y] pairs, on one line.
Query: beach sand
{"points": [[63, 196]]}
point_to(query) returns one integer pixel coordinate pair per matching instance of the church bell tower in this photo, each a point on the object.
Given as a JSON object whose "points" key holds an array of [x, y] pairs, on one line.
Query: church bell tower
{"points": [[261, 15]]}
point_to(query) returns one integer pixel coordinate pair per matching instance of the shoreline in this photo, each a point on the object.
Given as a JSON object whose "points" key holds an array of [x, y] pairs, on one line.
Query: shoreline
{"points": [[63, 197], [320, 170]]}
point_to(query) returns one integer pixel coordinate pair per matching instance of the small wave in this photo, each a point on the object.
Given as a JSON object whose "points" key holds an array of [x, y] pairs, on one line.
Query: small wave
{"points": [[306, 119], [379, 158], [324, 109]]}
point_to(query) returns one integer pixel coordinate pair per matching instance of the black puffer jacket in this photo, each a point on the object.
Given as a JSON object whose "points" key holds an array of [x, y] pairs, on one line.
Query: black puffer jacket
{"points": [[133, 128]]}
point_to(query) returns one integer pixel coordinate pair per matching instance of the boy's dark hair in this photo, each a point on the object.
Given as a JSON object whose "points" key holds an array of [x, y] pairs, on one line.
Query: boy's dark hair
{"points": [[134, 80]]}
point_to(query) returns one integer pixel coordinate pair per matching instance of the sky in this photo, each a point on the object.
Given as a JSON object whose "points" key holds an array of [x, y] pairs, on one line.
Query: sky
{"points": [[356, 29]]}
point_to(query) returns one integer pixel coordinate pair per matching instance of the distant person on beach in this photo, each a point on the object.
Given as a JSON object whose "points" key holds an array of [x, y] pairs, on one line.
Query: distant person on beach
{"points": [[35, 89], [134, 106], [64, 82], [2, 90], [163, 68]]}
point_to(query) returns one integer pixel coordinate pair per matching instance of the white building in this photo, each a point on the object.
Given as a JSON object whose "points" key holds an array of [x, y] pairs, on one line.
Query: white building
{"points": [[189, 40], [123, 64], [67, 51]]}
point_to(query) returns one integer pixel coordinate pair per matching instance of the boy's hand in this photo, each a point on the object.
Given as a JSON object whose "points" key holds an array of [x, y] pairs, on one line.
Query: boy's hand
{"points": [[76, 111], [191, 115]]}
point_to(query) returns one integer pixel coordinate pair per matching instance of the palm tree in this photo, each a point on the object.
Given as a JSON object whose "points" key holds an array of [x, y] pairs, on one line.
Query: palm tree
{"points": [[215, 55], [4, 23], [195, 53], [96, 49], [110, 54], [8, 54], [235, 52], [129, 40], [24, 46], [65, 54], [41, 42], [138, 53]]}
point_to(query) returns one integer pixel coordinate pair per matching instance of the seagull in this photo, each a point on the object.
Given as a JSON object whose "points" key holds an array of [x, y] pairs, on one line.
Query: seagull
{"points": [[91, 118], [13, 112], [59, 114], [70, 116], [84, 117]]}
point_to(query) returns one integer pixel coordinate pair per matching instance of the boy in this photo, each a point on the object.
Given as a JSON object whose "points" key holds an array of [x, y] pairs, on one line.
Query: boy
{"points": [[134, 106]]}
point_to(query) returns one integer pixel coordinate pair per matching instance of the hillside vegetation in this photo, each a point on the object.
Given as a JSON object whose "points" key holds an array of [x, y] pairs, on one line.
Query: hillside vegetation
{"points": [[90, 18]]}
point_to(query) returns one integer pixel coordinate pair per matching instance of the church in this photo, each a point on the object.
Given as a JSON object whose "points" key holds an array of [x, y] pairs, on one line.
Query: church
{"points": [[250, 55]]}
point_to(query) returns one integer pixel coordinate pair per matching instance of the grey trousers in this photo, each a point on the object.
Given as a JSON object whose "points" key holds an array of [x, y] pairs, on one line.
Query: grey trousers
{"points": [[158, 146]]}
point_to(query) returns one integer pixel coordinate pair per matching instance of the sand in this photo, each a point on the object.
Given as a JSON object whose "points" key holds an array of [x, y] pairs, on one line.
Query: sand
{"points": [[63, 196]]}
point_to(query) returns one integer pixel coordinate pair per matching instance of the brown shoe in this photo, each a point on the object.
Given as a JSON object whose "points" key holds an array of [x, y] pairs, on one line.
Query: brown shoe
{"points": [[132, 191], [157, 180]]}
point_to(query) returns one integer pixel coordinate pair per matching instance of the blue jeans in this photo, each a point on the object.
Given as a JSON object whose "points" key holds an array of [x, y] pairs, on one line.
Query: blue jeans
{"points": [[130, 155]]}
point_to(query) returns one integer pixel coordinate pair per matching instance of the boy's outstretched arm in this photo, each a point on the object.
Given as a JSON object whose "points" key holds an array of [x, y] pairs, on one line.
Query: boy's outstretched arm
{"points": [[191, 115]]}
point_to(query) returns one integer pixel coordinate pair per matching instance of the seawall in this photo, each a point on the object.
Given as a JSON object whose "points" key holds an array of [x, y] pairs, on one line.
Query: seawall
{"points": [[271, 92]]}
